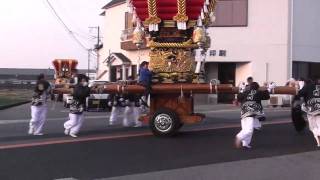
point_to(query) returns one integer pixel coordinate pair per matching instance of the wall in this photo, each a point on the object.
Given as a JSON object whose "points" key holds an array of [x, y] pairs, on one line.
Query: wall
{"points": [[114, 23], [264, 40], [243, 71], [306, 28]]}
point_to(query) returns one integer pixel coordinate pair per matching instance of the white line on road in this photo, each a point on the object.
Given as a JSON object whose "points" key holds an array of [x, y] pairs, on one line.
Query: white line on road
{"points": [[238, 110], [15, 121], [117, 136]]}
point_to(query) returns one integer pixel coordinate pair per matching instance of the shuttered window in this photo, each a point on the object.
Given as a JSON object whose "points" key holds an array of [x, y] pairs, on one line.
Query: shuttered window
{"points": [[128, 20], [231, 13]]}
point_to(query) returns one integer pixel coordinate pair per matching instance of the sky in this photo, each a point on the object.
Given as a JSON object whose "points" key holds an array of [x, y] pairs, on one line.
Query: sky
{"points": [[32, 37]]}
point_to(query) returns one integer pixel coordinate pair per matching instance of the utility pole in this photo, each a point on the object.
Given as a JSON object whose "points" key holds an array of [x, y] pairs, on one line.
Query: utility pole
{"points": [[98, 43], [89, 52]]}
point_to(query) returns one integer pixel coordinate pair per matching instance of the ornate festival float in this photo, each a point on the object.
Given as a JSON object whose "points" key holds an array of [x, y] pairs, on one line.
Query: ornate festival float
{"points": [[64, 68], [175, 29]]}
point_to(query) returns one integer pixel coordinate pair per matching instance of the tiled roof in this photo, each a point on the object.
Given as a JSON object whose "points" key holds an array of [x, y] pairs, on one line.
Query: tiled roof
{"points": [[113, 3], [122, 57]]}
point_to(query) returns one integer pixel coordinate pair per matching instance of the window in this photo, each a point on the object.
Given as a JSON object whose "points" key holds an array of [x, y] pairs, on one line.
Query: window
{"points": [[305, 70], [231, 13], [128, 20]]}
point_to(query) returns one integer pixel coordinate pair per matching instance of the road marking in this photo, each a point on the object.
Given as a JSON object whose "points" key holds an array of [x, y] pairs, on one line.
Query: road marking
{"points": [[110, 137], [75, 140], [238, 110], [236, 125], [15, 121]]}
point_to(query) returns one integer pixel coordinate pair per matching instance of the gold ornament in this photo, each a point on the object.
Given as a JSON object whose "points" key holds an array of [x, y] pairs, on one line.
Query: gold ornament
{"points": [[152, 20], [171, 60], [199, 35], [187, 44], [138, 36], [153, 15], [181, 18]]}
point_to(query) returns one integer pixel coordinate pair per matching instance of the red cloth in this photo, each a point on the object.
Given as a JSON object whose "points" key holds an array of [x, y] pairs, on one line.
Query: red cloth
{"points": [[167, 9], [64, 63]]}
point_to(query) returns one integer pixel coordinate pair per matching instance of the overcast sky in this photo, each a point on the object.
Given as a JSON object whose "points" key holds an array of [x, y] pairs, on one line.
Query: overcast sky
{"points": [[31, 36]]}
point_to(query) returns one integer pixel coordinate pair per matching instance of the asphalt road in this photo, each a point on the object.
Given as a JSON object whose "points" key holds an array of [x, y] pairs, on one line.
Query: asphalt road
{"points": [[14, 121], [114, 152]]}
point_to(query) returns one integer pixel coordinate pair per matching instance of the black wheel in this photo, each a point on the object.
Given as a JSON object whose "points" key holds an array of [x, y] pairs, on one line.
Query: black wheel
{"points": [[298, 118], [165, 122]]}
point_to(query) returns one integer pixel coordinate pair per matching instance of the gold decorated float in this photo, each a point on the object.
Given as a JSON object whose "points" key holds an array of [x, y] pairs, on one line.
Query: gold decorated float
{"points": [[174, 29], [64, 68]]}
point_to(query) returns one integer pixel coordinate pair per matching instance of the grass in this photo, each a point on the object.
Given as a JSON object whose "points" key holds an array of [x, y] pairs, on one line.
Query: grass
{"points": [[13, 96]]}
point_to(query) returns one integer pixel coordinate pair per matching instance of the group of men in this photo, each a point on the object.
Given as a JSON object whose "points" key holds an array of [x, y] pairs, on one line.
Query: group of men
{"points": [[39, 106], [130, 110], [131, 105], [250, 97]]}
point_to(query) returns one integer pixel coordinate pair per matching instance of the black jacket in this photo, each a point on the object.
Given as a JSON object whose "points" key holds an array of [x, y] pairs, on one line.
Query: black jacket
{"points": [[80, 93], [40, 95], [311, 95], [309, 91], [251, 102]]}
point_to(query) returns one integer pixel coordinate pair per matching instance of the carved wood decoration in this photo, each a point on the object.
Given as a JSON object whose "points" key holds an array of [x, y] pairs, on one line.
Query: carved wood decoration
{"points": [[171, 60]]}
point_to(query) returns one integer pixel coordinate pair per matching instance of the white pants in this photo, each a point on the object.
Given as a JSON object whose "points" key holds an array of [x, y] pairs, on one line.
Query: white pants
{"points": [[247, 126], [257, 124], [114, 116], [314, 126], [131, 116], [38, 118], [74, 123]]}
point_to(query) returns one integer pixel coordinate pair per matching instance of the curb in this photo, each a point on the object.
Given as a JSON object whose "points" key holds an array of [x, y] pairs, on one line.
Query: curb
{"points": [[13, 105]]}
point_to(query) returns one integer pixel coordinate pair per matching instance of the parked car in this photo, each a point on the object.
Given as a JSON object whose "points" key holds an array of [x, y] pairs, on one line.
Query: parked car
{"points": [[99, 101]]}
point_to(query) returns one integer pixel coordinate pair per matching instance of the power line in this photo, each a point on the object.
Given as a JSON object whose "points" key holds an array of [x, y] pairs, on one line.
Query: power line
{"points": [[73, 24], [70, 32]]}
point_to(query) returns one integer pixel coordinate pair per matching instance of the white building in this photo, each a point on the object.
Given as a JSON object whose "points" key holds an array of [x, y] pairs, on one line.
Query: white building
{"points": [[270, 40]]}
